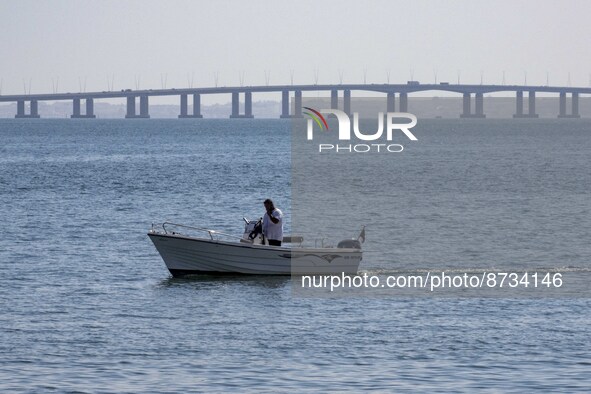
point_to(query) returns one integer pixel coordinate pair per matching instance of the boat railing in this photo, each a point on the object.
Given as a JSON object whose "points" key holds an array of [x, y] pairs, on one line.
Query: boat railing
{"points": [[210, 232], [320, 241], [214, 235]]}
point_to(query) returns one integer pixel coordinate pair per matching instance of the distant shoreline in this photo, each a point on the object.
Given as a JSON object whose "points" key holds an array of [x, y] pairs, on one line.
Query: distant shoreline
{"points": [[422, 107]]}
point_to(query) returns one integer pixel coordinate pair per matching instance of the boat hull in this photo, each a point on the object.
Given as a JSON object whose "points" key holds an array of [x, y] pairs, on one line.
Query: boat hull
{"points": [[187, 255]]}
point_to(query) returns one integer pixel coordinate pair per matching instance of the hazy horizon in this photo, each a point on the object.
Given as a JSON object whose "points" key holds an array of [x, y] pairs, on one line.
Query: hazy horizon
{"points": [[97, 45]]}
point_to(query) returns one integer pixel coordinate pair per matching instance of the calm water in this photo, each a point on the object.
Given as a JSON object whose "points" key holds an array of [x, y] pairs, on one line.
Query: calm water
{"points": [[87, 305]]}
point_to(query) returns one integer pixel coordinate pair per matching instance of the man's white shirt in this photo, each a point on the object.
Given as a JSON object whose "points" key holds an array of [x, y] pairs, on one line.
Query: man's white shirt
{"points": [[273, 230]]}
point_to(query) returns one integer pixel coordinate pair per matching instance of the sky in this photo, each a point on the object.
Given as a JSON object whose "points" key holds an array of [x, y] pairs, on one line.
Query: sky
{"points": [[88, 45]]}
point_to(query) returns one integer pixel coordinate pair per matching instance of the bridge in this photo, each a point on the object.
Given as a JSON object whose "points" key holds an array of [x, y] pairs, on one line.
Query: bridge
{"points": [[392, 92]]}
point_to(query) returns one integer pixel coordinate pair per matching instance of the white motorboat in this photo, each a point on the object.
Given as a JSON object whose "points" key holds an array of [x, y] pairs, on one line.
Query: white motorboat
{"points": [[215, 252]]}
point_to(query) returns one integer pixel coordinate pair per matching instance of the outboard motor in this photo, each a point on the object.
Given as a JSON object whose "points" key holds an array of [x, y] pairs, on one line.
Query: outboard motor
{"points": [[349, 244], [353, 243]]}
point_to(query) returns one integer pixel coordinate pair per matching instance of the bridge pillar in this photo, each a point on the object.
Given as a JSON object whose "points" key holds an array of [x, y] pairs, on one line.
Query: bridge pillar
{"points": [[479, 106], [236, 105], [532, 104], [575, 106], [562, 105], [284, 104], [334, 99], [519, 105], [130, 107], [20, 110], [531, 112], [297, 112], [77, 114], [403, 102], [466, 110], [34, 109], [347, 101], [76, 109], [390, 102], [197, 106], [90, 108], [248, 105], [144, 107], [185, 106]]}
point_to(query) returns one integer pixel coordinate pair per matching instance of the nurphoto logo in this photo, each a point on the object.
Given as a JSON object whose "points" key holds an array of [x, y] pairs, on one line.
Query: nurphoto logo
{"points": [[344, 131]]}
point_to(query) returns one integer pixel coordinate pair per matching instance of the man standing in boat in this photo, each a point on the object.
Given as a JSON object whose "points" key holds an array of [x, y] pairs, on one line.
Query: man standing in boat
{"points": [[273, 224]]}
